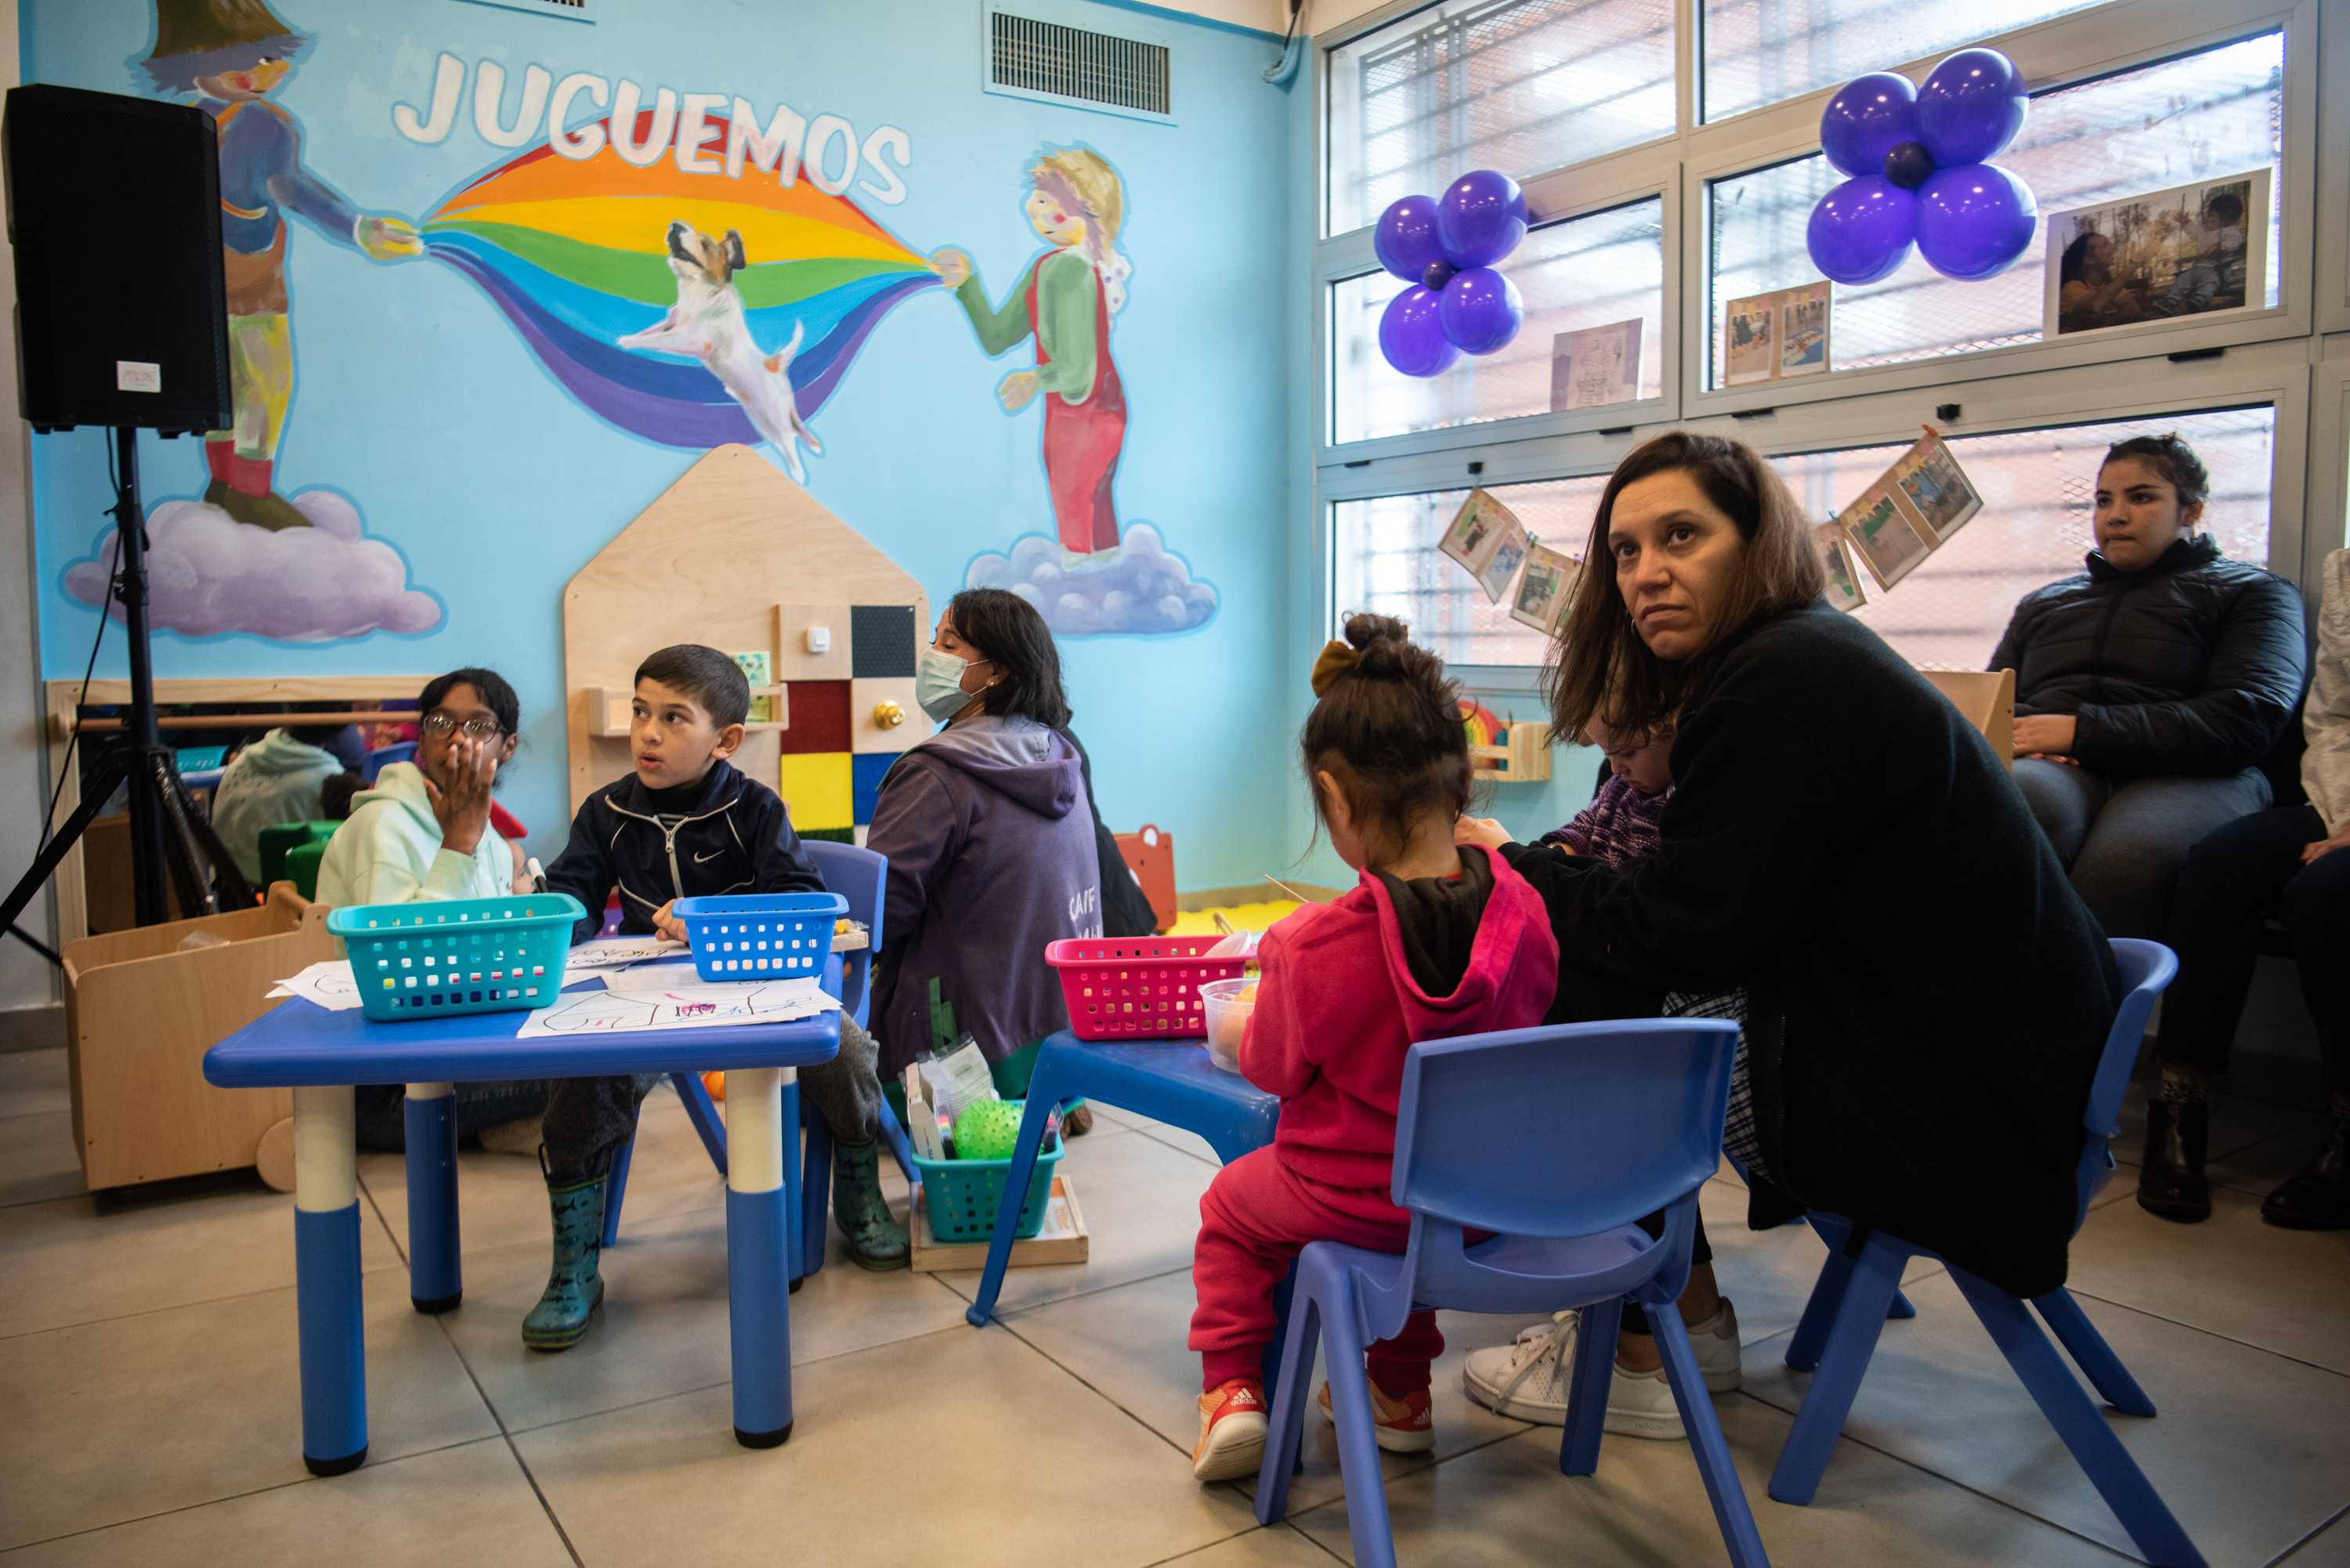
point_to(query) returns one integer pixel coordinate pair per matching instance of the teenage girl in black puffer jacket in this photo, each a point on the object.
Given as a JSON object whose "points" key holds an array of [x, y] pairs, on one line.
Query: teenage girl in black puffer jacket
{"points": [[2148, 687]]}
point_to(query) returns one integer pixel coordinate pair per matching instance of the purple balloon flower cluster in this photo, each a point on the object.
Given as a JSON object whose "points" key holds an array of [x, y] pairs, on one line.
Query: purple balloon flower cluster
{"points": [[1916, 158], [1446, 249]]}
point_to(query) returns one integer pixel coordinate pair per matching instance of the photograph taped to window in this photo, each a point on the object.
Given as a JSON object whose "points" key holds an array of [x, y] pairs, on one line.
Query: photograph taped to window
{"points": [[2091, 143], [1545, 588], [1585, 272], [2183, 251]]}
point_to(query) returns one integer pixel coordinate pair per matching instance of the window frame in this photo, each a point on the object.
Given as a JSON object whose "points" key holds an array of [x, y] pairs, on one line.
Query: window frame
{"points": [[2275, 354]]}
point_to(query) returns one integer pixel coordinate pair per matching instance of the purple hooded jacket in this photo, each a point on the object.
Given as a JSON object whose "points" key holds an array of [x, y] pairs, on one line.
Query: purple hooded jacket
{"points": [[991, 848]]}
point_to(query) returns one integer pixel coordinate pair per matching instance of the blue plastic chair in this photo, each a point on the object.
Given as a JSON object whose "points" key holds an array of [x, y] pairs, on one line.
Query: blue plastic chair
{"points": [[1171, 1081], [405, 752], [1846, 1311], [1557, 1139], [859, 875], [862, 876]]}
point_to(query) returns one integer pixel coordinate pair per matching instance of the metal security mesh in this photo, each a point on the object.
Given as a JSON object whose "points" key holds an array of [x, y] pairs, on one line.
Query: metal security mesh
{"points": [[1069, 62], [1522, 85], [1585, 272], [2034, 527], [1388, 562], [2171, 124], [2038, 489], [1765, 51]]}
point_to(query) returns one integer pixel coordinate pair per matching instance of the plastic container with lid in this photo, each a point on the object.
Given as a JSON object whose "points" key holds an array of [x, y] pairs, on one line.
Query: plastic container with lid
{"points": [[1228, 1003]]}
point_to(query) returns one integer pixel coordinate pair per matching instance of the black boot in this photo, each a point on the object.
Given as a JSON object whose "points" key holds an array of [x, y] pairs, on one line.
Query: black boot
{"points": [[2318, 1198], [2171, 1178]]}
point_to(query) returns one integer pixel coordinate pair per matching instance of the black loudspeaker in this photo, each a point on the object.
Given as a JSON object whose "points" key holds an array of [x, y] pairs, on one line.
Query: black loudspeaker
{"points": [[114, 210]]}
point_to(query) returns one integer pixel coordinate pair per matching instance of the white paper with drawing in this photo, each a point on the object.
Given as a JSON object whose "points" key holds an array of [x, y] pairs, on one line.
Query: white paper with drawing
{"points": [[688, 1005], [603, 953], [328, 983]]}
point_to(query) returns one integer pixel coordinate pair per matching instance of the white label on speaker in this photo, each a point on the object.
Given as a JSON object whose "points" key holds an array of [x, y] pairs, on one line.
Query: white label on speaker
{"points": [[131, 376]]}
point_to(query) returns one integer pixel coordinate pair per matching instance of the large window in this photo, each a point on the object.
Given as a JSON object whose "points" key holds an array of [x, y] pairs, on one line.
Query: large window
{"points": [[1515, 85], [1389, 564], [1663, 188], [2171, 124], [2038, 489], [1760, 52], [1587, 272]]}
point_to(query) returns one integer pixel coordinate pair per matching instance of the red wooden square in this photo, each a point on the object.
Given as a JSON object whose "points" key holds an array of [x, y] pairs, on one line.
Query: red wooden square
{"points": [[820, 717]]}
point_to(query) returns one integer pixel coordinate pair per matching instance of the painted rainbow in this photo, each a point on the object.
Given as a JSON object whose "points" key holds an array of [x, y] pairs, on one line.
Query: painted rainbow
{"points": [[575, 252]]}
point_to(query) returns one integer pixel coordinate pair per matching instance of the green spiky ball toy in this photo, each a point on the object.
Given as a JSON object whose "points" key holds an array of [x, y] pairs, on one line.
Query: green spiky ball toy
{"points": [[987, 1130]]}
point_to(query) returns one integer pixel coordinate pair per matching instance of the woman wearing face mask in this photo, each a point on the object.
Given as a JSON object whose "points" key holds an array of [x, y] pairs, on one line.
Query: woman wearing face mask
{"points": [[1826, 798], [990, 841], [2148, 687]]}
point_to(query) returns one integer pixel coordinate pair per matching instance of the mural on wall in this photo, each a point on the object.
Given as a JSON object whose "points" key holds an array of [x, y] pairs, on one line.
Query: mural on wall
{"points": [[245, 558], [686, 304], [1087, 577]]}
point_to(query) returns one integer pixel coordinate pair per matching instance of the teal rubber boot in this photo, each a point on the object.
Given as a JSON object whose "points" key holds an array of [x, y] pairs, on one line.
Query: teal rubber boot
{"points": [[876, 1241], [574, 1288]]}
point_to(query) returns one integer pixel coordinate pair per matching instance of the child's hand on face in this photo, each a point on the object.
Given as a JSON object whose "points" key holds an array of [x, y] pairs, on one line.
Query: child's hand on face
{"points": [[668, 926]]}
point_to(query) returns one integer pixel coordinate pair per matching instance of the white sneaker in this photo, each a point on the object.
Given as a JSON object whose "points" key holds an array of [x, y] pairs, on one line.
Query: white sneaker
{"points": [[1529, 1380]]}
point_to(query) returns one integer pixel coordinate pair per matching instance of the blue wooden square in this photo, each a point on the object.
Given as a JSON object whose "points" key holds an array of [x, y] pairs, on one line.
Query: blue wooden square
{"points": [[865, 782]]}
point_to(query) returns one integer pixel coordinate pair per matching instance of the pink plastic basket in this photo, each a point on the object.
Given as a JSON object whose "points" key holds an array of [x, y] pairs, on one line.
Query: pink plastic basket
{"points": [[1137, 988]]}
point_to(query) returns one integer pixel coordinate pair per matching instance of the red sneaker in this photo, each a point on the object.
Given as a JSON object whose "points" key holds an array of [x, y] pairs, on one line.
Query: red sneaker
{"points": [[1231, 1430], [1404, 1426]]}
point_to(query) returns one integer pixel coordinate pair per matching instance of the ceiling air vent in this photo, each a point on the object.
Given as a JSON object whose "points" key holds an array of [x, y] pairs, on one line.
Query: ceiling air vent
{"points": [[1032, 58]]}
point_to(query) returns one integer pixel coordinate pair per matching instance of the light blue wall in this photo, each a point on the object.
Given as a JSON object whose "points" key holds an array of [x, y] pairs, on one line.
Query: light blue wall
{"points": [[418, 401]]}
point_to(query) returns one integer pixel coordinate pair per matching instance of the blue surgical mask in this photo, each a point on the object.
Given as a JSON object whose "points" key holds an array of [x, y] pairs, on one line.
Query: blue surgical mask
{"points": [[938, 684]]}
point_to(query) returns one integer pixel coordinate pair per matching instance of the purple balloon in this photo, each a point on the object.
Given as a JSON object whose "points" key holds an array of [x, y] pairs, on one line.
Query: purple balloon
{"points": [[1481, 310], [1412, 337], [1480, 218], [1405, 239], [1971, 106], [1868, 117], [1861, 230], [1972, 222]]}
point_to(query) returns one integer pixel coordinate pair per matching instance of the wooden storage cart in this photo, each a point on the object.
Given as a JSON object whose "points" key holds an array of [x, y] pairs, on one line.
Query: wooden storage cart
{"points": [[140, 1013]]}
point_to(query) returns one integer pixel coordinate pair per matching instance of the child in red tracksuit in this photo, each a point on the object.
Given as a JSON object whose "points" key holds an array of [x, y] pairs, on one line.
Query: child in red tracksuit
{"points": [[1433, 942]]}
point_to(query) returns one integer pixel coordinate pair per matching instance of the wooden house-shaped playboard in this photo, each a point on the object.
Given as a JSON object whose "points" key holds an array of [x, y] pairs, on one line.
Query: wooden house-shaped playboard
{"points": [[737, 556]]}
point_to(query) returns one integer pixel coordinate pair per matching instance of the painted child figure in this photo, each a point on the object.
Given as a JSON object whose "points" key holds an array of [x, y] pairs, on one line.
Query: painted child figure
{"points": [[1433, 942], [1075, 204], [1626, 818], [231, 54], [686, 824]]}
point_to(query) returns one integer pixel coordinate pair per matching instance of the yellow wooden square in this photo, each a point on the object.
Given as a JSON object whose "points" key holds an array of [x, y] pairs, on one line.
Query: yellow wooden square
{"points": [[818, 788]]}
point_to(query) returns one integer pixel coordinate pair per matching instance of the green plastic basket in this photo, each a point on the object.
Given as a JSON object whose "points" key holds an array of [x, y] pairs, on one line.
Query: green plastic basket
{"points": [[962, 1195], [460, 955]]}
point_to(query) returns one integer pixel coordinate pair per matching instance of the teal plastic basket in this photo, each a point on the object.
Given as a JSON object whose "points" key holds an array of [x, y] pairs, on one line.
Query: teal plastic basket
{"points": [[462, 955], [760, 936], [962, 1195]]}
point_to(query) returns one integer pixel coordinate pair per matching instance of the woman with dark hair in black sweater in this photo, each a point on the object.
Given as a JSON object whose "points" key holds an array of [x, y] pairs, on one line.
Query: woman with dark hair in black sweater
{"points": [[1846, 866]]}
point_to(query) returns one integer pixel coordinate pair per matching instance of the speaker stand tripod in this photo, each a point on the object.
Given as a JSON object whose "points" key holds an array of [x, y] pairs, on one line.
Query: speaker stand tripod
{"points": [[169, 836]]}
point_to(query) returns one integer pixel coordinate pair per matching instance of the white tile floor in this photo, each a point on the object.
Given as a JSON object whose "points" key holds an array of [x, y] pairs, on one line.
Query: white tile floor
{"points": [[149, 1414]]}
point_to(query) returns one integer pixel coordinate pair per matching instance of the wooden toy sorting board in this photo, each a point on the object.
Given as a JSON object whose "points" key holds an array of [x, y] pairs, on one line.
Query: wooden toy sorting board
{"points": [[1062, 1239], [1511, 751], [736, 557]]}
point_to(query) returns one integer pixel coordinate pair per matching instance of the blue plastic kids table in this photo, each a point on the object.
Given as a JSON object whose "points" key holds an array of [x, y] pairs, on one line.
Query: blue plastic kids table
{"points": [[321, 1055]]}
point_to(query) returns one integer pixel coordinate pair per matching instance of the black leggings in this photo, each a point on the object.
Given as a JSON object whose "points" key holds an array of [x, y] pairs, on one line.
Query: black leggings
{"points": [[1635, 1320], [2236, 879]]}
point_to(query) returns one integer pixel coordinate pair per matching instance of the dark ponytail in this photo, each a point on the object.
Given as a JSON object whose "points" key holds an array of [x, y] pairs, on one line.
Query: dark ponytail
{"points": [[1391, 727]]}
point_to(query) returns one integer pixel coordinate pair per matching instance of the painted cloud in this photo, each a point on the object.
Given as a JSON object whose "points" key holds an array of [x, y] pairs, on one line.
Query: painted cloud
{"points": [[208, 575], [1146, 590]]}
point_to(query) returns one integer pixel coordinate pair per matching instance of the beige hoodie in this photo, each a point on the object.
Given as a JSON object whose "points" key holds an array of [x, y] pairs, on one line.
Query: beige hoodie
{"points": [[2325, 767]]}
